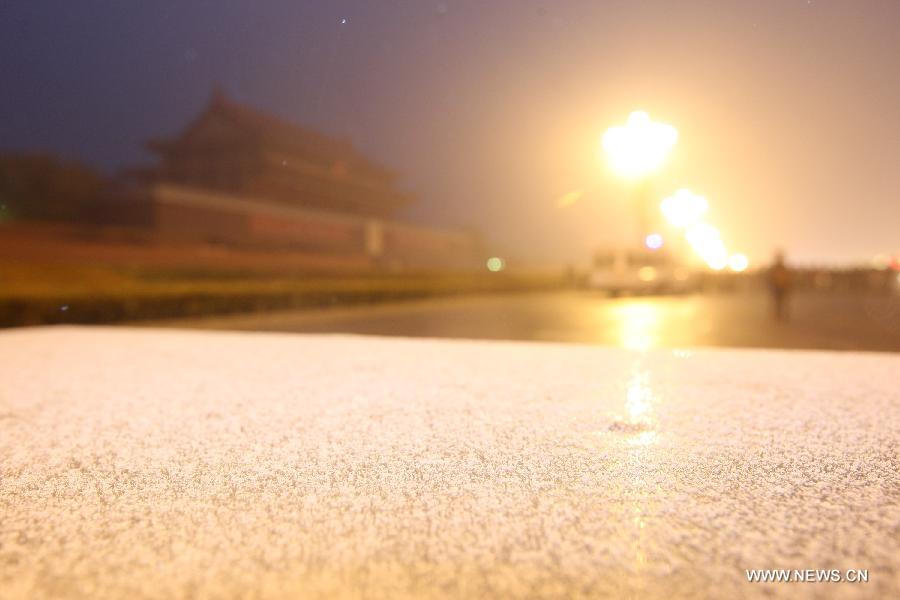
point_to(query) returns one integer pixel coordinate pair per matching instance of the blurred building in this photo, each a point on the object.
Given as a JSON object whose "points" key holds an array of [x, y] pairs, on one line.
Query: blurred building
{"points": [[241, 151], [239, 177]]}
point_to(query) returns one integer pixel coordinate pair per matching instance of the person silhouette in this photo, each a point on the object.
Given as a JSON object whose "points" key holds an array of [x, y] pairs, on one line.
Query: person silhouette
{"points": [[779, 279]]}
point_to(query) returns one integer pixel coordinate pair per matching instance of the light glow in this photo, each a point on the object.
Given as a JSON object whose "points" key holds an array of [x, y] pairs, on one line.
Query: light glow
{"points": [[707, 243], [640, 146], [495, 264], [684, 208], [654, 241], [738, 263]]}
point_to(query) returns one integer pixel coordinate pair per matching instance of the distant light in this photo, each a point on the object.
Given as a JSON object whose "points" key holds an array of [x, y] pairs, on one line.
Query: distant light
{"points": [[495, 264], [640, 146], [707, 243], [343, 21], [684, 208], [647, 274], [654, 241], [738, 263], [881, 261], [717, 262]]}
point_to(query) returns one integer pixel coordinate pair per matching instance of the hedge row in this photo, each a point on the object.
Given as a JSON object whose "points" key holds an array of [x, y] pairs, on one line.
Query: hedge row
{"points": [[112, 307]]}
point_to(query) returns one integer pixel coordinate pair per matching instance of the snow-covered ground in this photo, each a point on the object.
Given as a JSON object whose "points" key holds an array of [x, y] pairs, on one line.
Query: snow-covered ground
{"points": [[169, 464]]}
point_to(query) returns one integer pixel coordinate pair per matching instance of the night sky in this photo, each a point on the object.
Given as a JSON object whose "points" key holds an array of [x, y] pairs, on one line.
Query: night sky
{"points": [[788, 111]]}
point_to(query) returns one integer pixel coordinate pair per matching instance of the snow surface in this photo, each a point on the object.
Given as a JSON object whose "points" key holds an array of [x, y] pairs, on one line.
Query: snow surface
{"points": [[170, 464]]}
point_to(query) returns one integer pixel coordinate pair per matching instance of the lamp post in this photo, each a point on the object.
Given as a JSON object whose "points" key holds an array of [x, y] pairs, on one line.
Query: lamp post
{"points": [[634, 151]]}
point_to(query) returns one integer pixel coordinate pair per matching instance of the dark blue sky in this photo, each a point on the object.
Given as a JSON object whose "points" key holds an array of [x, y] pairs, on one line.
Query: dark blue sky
{"points": [[492, 110]]}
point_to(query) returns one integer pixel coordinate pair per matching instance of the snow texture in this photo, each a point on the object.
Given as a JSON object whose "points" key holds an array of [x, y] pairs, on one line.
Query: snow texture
{"points": [[170, 464]]}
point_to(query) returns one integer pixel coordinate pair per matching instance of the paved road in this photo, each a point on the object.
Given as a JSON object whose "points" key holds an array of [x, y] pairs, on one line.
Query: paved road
{"points": [[183, 464], [837, 322]]}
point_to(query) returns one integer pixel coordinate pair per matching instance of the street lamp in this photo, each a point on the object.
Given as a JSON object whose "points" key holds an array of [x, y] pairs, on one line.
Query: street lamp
{"points": [[637, 149], [707, 243], [683, 208]]}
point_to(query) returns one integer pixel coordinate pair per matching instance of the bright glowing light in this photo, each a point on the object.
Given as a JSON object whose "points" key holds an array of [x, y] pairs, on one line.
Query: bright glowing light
{"points": [[718, 260], [707, 243], [495, 264], [654, 241], [701, 234], [738, 263], [640, 146], [646, 273], [684, 208]]}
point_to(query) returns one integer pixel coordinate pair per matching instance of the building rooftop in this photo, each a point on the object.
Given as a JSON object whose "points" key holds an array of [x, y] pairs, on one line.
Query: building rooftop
{"points": [[233, 147], [271, 132]]}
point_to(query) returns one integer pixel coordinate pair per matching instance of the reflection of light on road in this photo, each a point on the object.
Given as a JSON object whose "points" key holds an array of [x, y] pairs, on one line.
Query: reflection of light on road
{"points": [[636, 419], [644, 438], [638, 324], [637, 401], [638, 521], [640, 462]]}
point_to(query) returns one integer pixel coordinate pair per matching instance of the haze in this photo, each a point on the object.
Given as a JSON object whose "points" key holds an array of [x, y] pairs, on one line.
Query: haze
{"points": [[490, 112]]}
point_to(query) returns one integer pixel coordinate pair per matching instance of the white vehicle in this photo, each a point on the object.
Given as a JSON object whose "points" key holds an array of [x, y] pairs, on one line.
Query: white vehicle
{"points": [[631, 270]]}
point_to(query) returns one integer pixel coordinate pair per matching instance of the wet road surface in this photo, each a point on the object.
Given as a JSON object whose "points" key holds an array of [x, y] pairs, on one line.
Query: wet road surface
{"points": [[817, 321]]}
